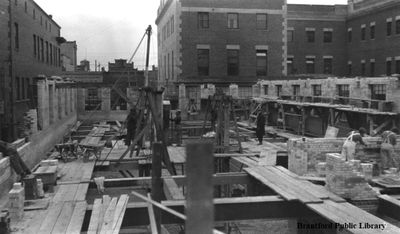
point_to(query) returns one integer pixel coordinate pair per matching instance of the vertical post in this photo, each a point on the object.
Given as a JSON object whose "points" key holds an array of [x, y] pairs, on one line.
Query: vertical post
{"points": [[148, 32], [156, 182], [200, 207]]}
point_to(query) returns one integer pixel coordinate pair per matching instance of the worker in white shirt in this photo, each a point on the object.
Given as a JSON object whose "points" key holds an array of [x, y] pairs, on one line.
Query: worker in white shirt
{"points": [[349, 146]]}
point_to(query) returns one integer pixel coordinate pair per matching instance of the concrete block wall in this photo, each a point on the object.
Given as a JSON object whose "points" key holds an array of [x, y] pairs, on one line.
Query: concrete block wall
{"points": [[343, 179], [359, 87], [304, 156]]}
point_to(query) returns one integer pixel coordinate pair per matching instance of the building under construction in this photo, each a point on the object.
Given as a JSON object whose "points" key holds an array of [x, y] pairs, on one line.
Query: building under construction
{"points": [[192, 157]]}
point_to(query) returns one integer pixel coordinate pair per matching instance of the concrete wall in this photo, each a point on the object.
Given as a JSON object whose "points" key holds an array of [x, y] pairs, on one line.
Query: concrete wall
{"points": [[359, 88]]}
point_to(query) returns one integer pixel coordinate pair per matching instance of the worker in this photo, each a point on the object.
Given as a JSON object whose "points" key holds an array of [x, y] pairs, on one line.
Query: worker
{"points": [[16, 163], [260, 130], [349, 146], [214, 116], [387, 150], [178, 128], [131, 121]]}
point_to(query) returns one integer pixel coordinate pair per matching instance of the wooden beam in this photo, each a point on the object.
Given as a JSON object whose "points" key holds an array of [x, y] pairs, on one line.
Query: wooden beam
{"points": [[171, 189], [154, 226], [380, 127], [156, 183], [200, 207]]}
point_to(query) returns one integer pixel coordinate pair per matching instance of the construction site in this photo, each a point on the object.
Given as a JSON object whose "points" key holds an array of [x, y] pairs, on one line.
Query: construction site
{"points": [[294, 154]]}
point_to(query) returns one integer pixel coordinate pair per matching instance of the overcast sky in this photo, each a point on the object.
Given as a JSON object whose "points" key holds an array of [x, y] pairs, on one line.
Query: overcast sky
{"points": [[105, 30]]}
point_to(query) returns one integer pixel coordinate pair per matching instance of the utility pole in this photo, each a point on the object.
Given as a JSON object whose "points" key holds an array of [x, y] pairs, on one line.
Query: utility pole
{"points": [[146, 73]]}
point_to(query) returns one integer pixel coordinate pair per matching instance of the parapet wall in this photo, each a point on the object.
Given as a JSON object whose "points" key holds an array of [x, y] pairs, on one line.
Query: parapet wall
{"points": [[304, 155]]}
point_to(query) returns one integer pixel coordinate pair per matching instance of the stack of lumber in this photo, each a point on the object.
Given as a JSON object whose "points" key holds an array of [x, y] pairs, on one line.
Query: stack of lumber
{"points": [[107, 214]]}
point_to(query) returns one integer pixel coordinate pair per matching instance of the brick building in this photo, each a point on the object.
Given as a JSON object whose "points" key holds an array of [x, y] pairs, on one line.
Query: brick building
{"points": [[220, 42], [30, 46], [358, 39]]}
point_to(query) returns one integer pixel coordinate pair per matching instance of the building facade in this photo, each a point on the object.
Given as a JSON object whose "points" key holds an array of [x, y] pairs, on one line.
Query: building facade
{"points": [[69, 56], [220, 42], [357, 39], [30, 47]]}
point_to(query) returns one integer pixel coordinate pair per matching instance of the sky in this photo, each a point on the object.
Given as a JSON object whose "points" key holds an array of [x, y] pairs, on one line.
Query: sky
{"points": [[106, 30]]}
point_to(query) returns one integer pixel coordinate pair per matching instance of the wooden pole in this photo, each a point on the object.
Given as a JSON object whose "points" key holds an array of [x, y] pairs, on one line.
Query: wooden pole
{"points": [[156, 181], [200, 207]]}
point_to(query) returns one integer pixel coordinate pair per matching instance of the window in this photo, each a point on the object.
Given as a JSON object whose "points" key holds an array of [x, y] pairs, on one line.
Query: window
{"points": [[290, 35], [265, 89], [172, 24], [261, 62], [262, 21], [49, 27], [42, 49], [18, 87], [203, 62], [290, 67], [41, 20], [363, 68], [233, 20], [388, 67], [34, 46], [349, 69], [317, 91], [165, 67], [327, 65], [349, 35], [343, 90], [296, 90], [51, 54], [310, 36], [363, 33], [245, 92], [47, 52], [16, 36], [372, 32], [372, 68], [328, 36], [203, 20], [34, 14], [397, 26], [398, 66], [58, 57], [389, 27], [310, 67], [16, 2], [38, 47], [45, 24], [278, 89], [93, 99], [233, 62], [172, 65], [378, 91], [26, 7]]}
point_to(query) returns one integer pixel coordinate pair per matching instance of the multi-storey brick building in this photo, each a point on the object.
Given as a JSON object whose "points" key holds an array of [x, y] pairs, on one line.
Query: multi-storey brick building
{"points": [[30, 45], [69, 56], [358, 39], [220, 42]]}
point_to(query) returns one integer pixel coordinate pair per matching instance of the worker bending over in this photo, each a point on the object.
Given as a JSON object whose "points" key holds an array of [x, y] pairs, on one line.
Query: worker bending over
{"points": [[349, 146], [387, 150]]}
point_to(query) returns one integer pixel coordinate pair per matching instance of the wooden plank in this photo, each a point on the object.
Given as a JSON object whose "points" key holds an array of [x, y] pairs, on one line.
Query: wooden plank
{"points": [[200, 206], [171, 189], [81, 192], [51, 218], [64, 218], [104, 206], [271, 184], [109, 217], [156, 182], [75, 225], [152, 218], [94, 218], [119, 214]]}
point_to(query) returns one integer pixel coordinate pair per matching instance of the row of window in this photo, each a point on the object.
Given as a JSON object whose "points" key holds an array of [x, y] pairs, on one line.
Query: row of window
{"points": [[327, 36], [377, 91], [46, 52], [390, 65], [46, 23], [168, 29], [203, 20], [363, 30], [232, 61], [168, 68], [310, 65]]}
